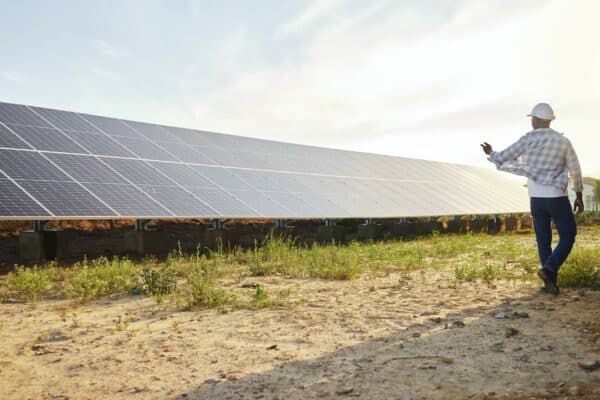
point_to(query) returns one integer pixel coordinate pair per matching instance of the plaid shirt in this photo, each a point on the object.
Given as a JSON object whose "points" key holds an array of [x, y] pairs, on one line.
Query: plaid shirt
{"points": [[543, 155]]}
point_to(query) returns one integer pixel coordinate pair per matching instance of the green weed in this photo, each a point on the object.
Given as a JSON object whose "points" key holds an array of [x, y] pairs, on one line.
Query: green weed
{"points": [[32, 282], [101, 277], [582, 269], [158, 283]]}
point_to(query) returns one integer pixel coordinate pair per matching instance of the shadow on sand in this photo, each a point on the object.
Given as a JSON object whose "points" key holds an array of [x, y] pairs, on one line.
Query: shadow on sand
{"points": [[469, 354]]}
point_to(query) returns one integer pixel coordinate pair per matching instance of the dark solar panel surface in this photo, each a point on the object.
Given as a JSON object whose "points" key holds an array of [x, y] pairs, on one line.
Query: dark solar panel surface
{"points": [[65, 164]]}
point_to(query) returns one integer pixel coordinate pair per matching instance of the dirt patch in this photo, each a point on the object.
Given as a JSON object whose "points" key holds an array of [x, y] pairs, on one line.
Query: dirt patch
{"points": [[420, 337]]}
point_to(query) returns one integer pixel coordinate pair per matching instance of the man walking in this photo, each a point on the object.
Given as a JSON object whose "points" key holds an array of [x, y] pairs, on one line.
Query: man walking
{"points": [[547, 158]]}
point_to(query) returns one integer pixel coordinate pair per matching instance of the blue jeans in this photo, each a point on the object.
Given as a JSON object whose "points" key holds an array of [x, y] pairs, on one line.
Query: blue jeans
{"points": [[558, 210]]}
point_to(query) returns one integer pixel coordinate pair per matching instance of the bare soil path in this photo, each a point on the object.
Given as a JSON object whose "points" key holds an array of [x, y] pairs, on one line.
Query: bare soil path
{"points": [[395, 337]]}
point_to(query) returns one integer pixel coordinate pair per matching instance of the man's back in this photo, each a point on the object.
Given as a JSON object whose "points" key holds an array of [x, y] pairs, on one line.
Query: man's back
{"points": [[546, 156]]}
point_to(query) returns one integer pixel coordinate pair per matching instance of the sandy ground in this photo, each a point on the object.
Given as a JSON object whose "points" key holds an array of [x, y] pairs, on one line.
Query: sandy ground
{"points": [[372, 338]]}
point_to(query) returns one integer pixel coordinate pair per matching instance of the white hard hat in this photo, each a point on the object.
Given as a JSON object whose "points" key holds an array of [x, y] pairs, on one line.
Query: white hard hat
{"points": [[542, 111]]}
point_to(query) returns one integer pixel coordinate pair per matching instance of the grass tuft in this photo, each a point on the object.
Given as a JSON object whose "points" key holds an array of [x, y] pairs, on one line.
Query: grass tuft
{"points": [[582, 269], [101, 277], [32, 282]]}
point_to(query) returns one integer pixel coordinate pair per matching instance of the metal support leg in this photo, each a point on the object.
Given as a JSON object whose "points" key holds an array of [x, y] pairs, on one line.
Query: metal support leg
{"points": [[141, 225], [40, 226], [217, 225], [369, 221], [330, 222], [280, 223]]}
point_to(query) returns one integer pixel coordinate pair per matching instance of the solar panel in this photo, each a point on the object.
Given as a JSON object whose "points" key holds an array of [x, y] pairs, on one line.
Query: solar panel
{"points": [[144, 148], [66, 199], [48, 139], [10, 140], [60, 164], [29, 165], [110, 126], [85, 168], [128, 200], [65, 120], [20, 115], [14, 202], [181, 202], [99, 144]]}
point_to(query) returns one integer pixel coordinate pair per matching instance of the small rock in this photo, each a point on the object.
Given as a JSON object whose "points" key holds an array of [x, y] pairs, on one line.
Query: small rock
{"points": [[272, 347], [11, 300], [498, 347], [524, 358], [344, 391], [447, 360], [416, 334], [500, 315], [575, 298], [546, 348], [520, 314], [211, 381], [510, 332], [589, 365], [437, 320], [458, 324], [322, 393], [249, 286]]}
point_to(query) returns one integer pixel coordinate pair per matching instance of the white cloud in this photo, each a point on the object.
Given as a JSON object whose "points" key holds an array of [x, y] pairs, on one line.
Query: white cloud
{"points": [[317, 10], [14, 76], [380, 84], [109, 50], [104, 73]]}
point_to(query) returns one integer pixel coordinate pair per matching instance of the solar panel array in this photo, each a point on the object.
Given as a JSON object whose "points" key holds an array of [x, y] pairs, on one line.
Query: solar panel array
{"points": [[58, 164]]}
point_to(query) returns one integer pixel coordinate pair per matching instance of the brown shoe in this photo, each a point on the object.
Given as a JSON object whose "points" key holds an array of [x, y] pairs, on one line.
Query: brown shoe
{"points": [[550, 285]]}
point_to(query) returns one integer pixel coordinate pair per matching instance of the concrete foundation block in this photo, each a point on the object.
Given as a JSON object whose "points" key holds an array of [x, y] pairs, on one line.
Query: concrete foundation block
{"points": [[149, 242], [369, 231], [37, 247], [288, 232], [425, 227], [457, 226], [64, 241], [510, 224], [476, 225], [227, 238], [399, 230], [327, 234]]}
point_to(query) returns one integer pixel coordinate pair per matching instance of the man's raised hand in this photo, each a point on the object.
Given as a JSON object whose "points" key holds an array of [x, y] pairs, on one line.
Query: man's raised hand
{"points": [[487, 148]]}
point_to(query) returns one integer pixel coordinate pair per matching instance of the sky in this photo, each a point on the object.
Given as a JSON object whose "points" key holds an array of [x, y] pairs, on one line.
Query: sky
{"points": [[414, 78]]}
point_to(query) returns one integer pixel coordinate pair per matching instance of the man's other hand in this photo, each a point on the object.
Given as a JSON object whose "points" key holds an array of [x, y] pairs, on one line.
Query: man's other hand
{"points": [[578, 206], [487, 148]]}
